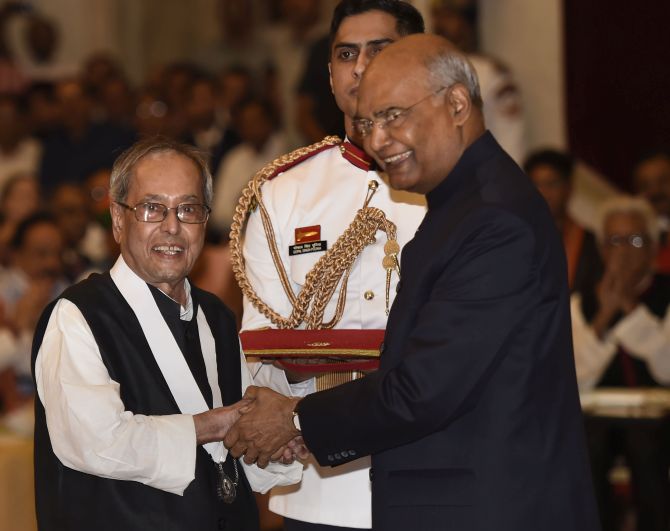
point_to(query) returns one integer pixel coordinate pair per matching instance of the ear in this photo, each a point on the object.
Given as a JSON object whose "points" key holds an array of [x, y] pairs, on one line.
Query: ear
{"points": [[459, 104], [117, 221], [330, 77]]}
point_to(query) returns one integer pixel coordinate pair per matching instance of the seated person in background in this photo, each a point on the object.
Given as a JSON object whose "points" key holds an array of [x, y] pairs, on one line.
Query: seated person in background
{"points": [[19, 197], [651, 180], [85, 238], [551, 171], [32, 280], [621, 334], [80, 145], [19, 153], [261, 143]]}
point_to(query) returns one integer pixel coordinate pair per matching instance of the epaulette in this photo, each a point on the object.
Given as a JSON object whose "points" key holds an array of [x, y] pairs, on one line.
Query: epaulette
{"points": [[295, 157]]}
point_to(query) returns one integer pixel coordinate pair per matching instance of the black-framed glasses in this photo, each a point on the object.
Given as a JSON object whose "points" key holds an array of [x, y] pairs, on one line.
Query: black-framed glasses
{"points": [[388, 118], [638, 241], [156, 212]]}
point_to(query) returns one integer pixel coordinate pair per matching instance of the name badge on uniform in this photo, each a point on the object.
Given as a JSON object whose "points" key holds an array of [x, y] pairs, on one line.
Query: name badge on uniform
{"points": [[307, 240]]}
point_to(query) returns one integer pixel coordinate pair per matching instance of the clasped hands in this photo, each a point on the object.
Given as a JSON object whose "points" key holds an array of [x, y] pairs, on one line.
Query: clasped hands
{"points": [[264, 430]]}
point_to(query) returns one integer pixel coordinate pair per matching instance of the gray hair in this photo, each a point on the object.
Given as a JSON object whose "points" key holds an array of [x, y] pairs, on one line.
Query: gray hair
{"points": [[627, 204], [448, 67], [125, 164]]}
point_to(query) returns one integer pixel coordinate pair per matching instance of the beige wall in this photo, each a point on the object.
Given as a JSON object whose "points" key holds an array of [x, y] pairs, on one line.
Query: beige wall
{"points": [[528, 36]]}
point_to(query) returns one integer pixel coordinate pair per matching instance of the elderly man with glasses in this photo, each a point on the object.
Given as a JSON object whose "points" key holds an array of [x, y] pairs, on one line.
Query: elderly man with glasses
{"points": [[138, 372], [621, 332]]}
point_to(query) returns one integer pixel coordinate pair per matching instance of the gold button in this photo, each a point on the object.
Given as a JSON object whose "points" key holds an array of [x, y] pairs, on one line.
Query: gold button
{"points": [[369, 295]]}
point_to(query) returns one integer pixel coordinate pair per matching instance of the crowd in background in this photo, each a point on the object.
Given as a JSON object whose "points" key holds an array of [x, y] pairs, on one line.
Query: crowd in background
{"points": [[254, 97]]}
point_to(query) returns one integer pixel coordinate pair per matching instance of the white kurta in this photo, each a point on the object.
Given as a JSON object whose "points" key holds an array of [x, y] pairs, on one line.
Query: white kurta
{"points": [[325, 190], [640, 333], [90, 429]]}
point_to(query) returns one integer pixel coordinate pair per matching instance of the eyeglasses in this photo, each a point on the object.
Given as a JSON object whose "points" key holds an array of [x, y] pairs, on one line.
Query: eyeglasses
{"points": [[633, 240], [389, 118], [157, 212]]}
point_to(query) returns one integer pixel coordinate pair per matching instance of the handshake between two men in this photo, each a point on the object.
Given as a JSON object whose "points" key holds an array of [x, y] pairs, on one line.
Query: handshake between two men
{"points": [[259, 427]]}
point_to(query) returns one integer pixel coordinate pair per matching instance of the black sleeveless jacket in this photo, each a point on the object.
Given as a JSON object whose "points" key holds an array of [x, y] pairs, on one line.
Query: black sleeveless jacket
{"points": [[68, 500]]}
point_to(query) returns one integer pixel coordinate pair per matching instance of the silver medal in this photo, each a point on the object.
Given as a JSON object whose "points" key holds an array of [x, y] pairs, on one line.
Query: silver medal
{"points": [[226, 488]]}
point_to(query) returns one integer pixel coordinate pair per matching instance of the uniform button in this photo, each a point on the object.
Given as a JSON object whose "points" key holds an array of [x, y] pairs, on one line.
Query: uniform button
{"points": [[331, 458], [345, 454], [369, 295], [372, 474], [352, 453], [338, 456]]}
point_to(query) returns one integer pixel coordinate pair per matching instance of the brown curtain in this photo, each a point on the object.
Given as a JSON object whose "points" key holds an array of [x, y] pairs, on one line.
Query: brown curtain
{"points": [[617, 81]]}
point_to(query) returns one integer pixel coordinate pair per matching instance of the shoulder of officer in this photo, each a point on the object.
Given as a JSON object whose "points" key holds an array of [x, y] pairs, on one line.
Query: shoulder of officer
{"points": [[289, 160]]}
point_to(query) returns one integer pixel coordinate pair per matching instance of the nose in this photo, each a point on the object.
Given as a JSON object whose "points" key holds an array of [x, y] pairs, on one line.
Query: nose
{"points": [[171, 223], [360, 66], [378, 138]]}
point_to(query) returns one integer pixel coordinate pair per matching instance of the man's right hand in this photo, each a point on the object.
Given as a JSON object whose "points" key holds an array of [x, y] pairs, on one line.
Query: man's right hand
{"points": [[213, 425]]}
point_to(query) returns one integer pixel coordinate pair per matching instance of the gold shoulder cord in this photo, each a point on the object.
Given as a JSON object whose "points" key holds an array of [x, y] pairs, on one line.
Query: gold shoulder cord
{"points": [[334, 266]]}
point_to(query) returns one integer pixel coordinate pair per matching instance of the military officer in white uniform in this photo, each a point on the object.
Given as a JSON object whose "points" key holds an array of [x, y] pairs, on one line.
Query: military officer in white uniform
{"points": [[313, 195]]}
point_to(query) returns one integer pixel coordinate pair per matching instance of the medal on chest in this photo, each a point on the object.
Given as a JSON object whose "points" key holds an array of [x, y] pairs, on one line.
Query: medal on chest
{"points": [[226, 488]]}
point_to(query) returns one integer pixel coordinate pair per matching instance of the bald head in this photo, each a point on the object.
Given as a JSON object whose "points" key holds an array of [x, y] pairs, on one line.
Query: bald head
{"points": [[430, 59], [419, 109]]}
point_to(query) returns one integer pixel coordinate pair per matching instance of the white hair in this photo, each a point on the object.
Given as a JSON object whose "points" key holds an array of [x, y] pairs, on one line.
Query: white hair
{"points": [[448, 67], [626, 204]]}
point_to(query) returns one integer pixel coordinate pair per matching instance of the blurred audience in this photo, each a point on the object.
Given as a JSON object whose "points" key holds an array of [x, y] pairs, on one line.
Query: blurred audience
{"points": [[552, 173], [317, 113], [85, 243], [81, 145], [240, 44], [151, 114], [36, 46], [116, 101], [621, 334], [43, 114], [19, 153], [202, 105], [33, 278], [503, 111], [651, 180], [19, 198], [261, 142], [290, 40], [12, 79]]}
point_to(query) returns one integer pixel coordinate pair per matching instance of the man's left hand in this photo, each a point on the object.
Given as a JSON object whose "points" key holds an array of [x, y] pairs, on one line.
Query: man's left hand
{"points": [[266, 425]]}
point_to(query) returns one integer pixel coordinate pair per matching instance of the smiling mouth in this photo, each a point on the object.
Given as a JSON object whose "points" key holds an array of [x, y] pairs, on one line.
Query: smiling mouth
{"points": [[168, 250], [397, 159]]}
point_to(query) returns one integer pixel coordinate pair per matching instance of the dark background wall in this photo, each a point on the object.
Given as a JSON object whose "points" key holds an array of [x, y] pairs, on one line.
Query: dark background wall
{"points": [[617, 81]]}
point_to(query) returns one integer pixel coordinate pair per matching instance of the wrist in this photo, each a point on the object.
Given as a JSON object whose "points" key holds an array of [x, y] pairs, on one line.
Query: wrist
{"points": [[295, 416]]}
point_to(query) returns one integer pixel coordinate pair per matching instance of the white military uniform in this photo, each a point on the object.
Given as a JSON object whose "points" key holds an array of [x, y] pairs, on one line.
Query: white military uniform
{"points": [[326, 189]]}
